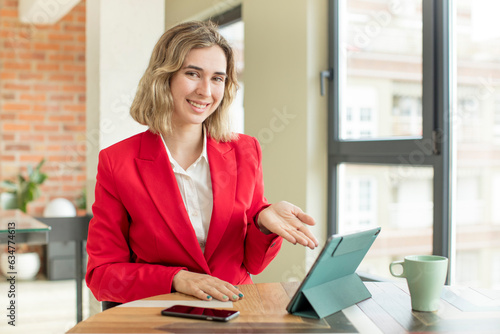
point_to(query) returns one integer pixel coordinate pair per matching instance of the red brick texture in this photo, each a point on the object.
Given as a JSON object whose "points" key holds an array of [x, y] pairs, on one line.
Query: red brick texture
{"points": [[42, 101]]}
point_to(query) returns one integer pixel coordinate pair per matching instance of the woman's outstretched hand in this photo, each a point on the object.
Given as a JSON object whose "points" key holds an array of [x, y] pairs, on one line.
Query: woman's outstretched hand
{"points": [[287, 220], [205, 287]]}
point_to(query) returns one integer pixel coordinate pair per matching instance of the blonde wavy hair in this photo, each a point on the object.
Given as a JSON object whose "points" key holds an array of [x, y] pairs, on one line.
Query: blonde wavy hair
{"points": [[153, 103]]}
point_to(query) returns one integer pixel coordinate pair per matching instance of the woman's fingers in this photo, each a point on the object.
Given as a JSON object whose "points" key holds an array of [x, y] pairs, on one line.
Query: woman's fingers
{"points": [[294, 230], [312, 241], [290, 222], [304, 239], [205, 287], [287, 235], [296, 236], [200, 294], [305, 218], [225, 293]]}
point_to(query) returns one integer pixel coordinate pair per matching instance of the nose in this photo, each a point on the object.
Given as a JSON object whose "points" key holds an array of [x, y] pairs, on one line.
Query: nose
{"points": [[203, 88]]}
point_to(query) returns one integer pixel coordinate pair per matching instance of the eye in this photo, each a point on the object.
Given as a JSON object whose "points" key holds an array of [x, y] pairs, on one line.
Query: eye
{"points": [[192, 74], [219, 79]]}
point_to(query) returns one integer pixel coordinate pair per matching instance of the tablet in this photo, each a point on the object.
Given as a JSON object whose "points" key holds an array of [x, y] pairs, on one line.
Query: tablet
{"points": [[332, 283]]}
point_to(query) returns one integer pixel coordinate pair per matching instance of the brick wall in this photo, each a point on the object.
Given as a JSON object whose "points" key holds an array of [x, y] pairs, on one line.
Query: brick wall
{"points": [[42, 101]]}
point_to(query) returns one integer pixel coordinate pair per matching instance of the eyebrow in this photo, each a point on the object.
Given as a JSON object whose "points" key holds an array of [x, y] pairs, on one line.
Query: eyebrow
{"points": [[200, 69]]}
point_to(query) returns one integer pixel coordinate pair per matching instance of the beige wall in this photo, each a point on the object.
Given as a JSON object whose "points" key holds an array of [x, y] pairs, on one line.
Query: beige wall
{"points": [[285, 49], [177, 11], [118, 48]]}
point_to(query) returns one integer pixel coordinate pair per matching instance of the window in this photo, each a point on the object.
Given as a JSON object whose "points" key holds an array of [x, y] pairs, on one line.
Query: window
{"points": [[477, 119], [360, 189], [231, 26], [496, 120], [495, 270], [407, 113], [359, 120], [414, 129], [381, 48], [398, 200]]}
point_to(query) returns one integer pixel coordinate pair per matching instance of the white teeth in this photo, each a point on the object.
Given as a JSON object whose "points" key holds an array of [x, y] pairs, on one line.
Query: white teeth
{"points": [[197, 105]]}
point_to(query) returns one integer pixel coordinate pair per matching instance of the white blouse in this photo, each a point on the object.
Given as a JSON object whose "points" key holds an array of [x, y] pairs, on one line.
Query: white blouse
{"points": [[195, 187]]}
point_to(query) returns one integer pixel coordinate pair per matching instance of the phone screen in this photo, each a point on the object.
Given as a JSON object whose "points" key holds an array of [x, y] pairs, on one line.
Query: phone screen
{"points": [[200, 313]]}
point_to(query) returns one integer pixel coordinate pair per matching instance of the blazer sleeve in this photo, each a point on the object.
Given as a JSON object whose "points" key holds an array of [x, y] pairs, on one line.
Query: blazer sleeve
{"points": [[112, 274], [260, 249]]}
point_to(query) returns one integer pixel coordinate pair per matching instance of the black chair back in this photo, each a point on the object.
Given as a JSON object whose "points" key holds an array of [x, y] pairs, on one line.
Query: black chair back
{"points": [[108, 305]]}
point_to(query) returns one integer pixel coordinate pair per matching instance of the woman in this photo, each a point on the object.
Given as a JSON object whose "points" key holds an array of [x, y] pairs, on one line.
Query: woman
{"points": [[181, 207]]}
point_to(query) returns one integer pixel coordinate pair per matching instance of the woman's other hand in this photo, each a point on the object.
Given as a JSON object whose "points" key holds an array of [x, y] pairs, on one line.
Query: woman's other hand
{"points": [[205, 287], [289, 222]]}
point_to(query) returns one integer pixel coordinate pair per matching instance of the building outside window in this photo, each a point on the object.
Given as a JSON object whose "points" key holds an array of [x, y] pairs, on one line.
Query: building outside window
{"points": [[383, 133]]}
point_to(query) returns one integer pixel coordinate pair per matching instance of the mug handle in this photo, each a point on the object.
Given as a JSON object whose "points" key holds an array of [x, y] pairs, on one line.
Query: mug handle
{"points": [[395, 263]]}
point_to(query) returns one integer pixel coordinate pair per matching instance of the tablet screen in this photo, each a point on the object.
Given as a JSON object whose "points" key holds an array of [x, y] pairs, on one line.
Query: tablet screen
{"points": [[337, 263]]}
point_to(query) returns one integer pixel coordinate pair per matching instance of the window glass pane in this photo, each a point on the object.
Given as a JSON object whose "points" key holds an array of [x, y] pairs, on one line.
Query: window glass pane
{"points": [[234, 34], [381, 88], [476, 125], [397, 198]]}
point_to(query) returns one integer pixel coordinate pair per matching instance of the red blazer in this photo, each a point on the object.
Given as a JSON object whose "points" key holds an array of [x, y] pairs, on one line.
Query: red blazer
{"points": [[141, 236]]}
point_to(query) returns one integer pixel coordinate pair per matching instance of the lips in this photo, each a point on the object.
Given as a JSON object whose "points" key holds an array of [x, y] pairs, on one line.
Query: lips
{"points": [[198, 105]]}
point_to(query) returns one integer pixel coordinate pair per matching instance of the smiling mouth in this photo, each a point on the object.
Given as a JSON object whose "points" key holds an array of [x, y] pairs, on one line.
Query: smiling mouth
{"points": [[198, 105]]}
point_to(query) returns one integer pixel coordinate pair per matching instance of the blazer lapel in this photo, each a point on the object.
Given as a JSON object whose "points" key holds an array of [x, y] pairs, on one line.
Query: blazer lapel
{"points": [[221, 157], [159, 179]]}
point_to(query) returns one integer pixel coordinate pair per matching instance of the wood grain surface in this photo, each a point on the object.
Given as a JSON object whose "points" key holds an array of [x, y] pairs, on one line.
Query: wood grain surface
{"points": [[263, 310]]}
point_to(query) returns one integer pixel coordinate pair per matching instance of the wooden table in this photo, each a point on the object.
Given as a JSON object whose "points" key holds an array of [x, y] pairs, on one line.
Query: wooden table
{"points": [[263, 311]]}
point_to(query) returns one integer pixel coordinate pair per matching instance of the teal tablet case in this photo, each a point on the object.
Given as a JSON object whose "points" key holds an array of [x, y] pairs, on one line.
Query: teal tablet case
{"points": [[332, 283]]}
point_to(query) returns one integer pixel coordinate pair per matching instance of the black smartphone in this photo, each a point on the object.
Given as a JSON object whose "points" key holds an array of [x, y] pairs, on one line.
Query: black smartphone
{"points": [[204, 313]]}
